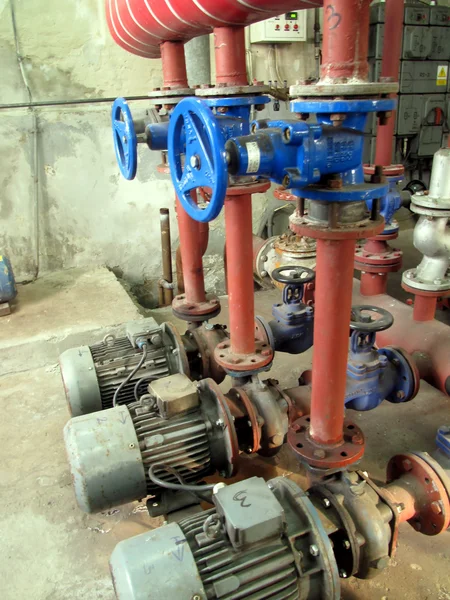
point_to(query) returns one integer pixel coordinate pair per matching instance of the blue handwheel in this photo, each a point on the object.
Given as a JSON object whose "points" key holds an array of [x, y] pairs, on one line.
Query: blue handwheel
{"points": [[125, 140], [195, 133]]}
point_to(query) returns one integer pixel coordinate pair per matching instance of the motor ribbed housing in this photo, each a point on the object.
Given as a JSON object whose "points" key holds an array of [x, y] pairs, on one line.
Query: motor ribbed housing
{"points": [[113, 362], [260, 572], [180, 442]]}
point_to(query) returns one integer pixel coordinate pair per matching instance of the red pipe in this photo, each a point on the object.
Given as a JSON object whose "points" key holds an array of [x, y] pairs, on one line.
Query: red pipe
{"points": [[140, 26], [191, 256], [373, 284], [346, 40], [424, 308], [238, 247], [229, 46], [333, 298], [174, 65], [393, 31], [430, 339]]}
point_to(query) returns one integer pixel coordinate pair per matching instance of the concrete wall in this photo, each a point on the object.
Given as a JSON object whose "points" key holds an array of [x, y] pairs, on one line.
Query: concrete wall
{"points": [[87, 214]]}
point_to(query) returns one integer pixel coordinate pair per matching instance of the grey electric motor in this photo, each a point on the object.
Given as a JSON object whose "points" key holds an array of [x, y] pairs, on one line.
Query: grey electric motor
{"points": [[178, 424], [261, 541], [92, 374]]}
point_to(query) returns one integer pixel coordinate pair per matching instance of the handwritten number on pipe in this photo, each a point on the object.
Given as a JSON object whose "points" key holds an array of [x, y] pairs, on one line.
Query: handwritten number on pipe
{"points": [[334, 18]]}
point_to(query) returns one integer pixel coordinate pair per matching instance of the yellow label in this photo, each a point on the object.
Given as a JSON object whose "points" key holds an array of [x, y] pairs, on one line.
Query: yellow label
{"points": [[441, 75]]}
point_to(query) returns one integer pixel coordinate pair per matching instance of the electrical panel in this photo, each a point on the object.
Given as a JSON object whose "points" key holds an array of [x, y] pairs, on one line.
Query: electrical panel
{"points": [[416, 42], [423, 111], [287, 28], [423, 77]]}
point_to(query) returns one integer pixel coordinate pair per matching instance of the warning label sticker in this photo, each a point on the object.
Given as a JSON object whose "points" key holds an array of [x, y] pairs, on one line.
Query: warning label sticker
{"points": [[254, 157], [441, 76]]}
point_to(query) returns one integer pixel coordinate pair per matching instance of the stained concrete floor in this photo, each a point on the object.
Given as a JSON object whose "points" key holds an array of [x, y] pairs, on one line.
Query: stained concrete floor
{"points": [[50, 550]]}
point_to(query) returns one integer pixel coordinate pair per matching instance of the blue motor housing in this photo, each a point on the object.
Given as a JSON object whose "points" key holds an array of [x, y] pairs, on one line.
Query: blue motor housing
{"points": [[8, 289]]}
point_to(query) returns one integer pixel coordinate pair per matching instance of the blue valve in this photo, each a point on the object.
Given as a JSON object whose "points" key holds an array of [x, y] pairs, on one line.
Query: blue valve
{"points": [[292, 329], [125, 140], [195, 133], [376, 375]]}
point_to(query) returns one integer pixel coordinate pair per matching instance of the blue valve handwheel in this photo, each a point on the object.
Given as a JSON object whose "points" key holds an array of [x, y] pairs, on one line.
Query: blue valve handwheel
{"points": [[125, 140], [195, 133]]}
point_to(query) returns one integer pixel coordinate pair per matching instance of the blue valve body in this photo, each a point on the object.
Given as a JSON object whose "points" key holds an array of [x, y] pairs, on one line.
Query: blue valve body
{"points": [[301, 151], [376, 375], [8, 289]]}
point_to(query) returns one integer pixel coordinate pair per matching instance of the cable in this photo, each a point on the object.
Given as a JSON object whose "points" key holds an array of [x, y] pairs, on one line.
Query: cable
{"points": [[186, 487], [197, 495], [132, 374], [136, 387]]}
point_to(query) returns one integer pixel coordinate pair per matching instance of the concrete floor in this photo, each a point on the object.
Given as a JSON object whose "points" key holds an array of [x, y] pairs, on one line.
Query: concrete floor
{"points": [[50, 550]]}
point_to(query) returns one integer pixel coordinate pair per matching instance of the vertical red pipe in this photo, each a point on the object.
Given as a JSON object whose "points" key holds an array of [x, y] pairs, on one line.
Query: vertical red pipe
{"points": [[229, 51], [333, 302], [393, 32], [346, 40], [239, 255], [373, 284], [174, 65], [424, 308], [191, 256]]}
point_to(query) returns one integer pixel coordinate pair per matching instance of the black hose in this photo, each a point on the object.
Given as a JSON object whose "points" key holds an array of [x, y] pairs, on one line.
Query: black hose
{"points": [[131, 375]]}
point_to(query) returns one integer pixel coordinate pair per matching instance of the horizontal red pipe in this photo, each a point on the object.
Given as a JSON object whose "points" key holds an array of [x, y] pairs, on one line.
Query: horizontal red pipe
{"points": [[333, 302], [430, 339], [140, 26], [345, 40]]}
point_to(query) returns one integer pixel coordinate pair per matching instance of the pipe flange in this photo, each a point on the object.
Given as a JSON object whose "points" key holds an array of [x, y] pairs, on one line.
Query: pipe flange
{"points": [[195, 311], [296, 247], [178, 353], [350, 450], [239, 396], [407, 373], [230, 466], [411, 283], [380, 269], [387, 171], [429, 211], [427, 201], [433, 503], [171, 93], [260, 360], [356, 89], [386, 236], [280, 193], [440, 472], [355, 231], [347, 548], [231, 90], [391, 258]]}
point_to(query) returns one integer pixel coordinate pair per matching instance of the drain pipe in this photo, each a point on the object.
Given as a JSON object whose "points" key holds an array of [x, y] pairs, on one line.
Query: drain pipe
{"points": [[165, 284]]}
